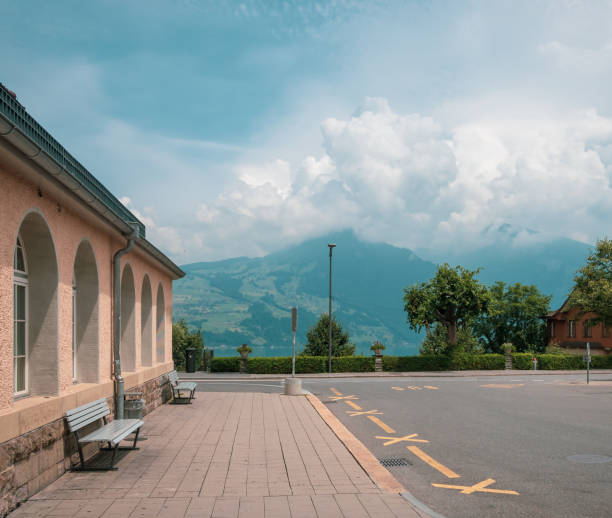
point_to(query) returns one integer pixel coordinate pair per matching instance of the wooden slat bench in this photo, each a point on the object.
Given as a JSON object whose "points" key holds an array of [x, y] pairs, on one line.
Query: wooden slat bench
{"points": [[181, 386], [111, 433]]}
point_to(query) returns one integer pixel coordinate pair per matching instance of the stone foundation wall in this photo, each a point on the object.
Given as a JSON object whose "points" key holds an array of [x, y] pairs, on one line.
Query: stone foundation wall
{"points": [[32, 461]]}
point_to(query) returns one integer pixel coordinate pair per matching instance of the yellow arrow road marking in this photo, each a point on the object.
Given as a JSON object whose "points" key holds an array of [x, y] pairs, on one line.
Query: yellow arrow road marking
{"points": [[354, 405], [481, 487], [336, 391], [384, 426], [339, 398], [431, 387], [365, 412], [407, 438], [414, 387], [398, 388], [432, 462]]}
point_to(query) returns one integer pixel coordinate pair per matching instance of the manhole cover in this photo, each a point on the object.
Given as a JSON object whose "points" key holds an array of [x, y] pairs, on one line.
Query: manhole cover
{"points": [[392, 462], [589, 459]]}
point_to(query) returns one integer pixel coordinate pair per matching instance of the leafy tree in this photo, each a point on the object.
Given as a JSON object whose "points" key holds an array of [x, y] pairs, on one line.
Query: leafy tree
{"points": [[453, 298], [183, 338], [318, 339], [513, 315], [593, 284], [436, 341]]}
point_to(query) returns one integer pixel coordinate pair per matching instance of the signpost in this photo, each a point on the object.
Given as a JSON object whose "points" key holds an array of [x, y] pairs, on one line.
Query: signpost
{"points": [[587, 359], [293, 385], [293, 330]]}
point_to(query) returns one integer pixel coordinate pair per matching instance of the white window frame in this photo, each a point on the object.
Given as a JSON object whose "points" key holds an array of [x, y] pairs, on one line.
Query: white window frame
{"points": [[572, 329], [20, 278]]}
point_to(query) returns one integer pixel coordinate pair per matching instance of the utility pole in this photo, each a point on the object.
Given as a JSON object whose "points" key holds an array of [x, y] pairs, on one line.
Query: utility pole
{"points": [[331, 247]]}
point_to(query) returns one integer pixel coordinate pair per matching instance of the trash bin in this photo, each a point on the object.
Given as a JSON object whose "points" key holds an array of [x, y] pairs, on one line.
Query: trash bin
{"points": [[190, 360], [133, 406]]}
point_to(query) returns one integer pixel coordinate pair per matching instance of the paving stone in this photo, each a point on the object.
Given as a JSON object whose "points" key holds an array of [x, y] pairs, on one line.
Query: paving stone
{"points": [[225, 455]]}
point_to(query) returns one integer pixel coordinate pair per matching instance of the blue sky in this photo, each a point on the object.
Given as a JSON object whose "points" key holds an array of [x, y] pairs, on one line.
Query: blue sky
{"points": [[237, 128]]}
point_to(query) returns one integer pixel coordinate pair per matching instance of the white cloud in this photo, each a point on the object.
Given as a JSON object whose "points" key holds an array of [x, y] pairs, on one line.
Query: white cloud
{"points": [[407, 180]]}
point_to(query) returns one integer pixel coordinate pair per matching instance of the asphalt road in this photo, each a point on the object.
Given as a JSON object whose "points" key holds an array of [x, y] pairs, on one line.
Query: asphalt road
{"points": [[542, 442]]}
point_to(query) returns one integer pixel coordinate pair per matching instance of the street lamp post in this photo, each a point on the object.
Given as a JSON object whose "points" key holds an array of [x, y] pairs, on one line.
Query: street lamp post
{"points": [[331, 247]]}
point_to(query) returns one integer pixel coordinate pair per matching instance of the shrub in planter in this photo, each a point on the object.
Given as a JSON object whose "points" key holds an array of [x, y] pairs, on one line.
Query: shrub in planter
{"points": [[377, 347], [244, 350]]}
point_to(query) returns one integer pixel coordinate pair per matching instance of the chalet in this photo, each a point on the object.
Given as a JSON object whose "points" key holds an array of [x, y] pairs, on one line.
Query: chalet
{"points": [[85, 303], [571, 331]]}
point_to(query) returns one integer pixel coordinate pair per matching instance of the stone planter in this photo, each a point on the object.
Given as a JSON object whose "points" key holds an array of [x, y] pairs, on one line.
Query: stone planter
{"points": [[508, 353]]}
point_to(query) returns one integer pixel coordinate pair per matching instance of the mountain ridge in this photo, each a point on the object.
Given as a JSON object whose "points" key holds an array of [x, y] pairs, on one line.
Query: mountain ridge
{"points": [[249, 300]]}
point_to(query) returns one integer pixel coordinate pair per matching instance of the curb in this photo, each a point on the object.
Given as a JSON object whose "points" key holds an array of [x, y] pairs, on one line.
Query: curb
{"points": [[379, 474], [387, 374]]}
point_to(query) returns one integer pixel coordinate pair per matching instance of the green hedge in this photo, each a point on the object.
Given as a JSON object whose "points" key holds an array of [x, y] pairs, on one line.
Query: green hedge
{"points": [[423, 363], [601, 362], [464, 362], [282, 365], [429, 362], [222, 364], [524, 361], [352, 364]]}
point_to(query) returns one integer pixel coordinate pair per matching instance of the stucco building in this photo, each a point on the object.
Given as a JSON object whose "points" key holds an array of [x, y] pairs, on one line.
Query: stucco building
{"points": [[60, 233]]}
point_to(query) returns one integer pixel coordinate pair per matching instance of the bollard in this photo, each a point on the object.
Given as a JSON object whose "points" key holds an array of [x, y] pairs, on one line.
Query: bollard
{"points": [[293, 387]]}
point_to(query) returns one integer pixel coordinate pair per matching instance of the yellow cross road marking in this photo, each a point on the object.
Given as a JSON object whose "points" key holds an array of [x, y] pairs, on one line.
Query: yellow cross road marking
{"points": [[336, 391], [503, 385], [407, 438], [354, 405], [414, 387], [365, 412], [338, 398], [432, 462], [398, 388], [481, 487], [384, 426], [431, 387]]}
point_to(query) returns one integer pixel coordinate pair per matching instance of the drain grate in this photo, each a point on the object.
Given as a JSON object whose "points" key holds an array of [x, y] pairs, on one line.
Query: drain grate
{"points": [[393, 462]]}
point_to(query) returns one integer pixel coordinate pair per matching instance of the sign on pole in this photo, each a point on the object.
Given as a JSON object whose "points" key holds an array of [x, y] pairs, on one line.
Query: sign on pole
{"points": [[293, 330]]}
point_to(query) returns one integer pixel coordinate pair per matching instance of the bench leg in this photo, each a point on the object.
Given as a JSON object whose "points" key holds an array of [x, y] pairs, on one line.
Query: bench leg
{"points": [[135, 439], [112, 463], [81, 455]]}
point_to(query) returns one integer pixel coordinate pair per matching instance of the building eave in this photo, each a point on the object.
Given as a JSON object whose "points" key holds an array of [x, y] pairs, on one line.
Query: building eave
{"points": [[33, 144]]}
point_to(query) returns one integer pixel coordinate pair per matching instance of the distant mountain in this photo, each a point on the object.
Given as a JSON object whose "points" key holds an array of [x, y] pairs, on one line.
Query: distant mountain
{"points": [[245, 300], [249, 300], [521, 255]]}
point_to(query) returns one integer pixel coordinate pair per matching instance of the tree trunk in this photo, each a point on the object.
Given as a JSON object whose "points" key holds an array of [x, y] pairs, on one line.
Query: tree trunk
{"points": [[427, 329], [452, 333]]}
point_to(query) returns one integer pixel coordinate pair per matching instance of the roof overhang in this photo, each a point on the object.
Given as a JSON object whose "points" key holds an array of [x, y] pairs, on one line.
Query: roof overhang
{"points": [[31, 143]]}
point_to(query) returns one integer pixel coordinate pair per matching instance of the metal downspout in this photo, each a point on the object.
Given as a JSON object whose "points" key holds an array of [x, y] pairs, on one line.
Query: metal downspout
{"points": [[119, 388]]}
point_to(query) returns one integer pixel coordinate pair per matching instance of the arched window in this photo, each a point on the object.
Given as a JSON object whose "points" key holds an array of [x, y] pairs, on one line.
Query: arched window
{"points": [[85, 353], [20, 320], [146, 323], [35, 292], [160, 341]]}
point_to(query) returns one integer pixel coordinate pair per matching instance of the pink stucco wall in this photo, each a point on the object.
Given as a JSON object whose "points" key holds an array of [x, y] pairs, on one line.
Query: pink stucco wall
{"points": [[68, 227]]}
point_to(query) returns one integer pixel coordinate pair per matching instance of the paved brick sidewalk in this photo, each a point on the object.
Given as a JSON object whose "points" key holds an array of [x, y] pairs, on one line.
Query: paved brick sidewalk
{"points": [[227, 455]]}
